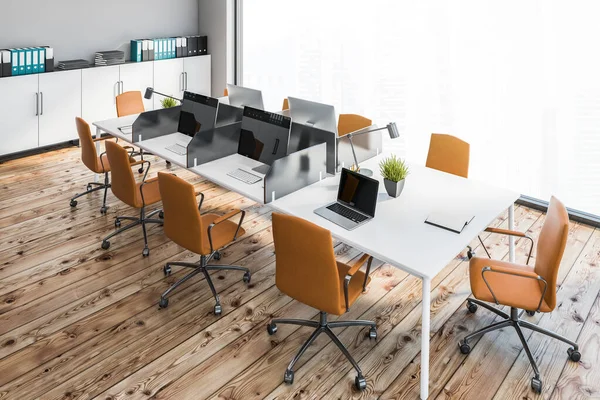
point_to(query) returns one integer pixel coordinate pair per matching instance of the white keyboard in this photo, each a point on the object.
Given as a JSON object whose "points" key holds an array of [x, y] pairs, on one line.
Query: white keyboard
{"points": [[177, 149], [244, 176]]}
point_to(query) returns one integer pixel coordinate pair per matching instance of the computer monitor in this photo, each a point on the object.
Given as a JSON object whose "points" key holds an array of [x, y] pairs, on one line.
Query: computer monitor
{"points": [[198, 113], [264, 137], [315, 114], [245, 97]]}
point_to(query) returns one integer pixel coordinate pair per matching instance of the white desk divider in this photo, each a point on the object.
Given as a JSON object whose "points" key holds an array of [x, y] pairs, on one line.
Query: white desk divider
{"points": [[304, 136], [156, 123]]}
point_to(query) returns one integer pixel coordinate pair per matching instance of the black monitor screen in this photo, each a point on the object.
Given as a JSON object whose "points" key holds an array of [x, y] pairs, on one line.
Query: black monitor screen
{"points": [[358, 191], [264, 136], [198, 113]]}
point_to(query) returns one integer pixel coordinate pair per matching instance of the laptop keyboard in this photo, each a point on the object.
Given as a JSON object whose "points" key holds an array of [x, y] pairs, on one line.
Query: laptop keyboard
{"points": [[347, 212], [177, 149]]}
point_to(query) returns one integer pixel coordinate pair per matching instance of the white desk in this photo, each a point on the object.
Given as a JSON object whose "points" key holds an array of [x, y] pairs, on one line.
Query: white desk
{"points": [[398, 234]]}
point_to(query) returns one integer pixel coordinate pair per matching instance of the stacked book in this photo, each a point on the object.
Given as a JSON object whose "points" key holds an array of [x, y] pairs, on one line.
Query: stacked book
{"points": [[72, 64], [112, 57]]}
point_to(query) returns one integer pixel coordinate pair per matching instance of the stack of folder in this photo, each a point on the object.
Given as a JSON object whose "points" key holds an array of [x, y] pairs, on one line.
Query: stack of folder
{"points": [[166, 48], [24, 61], [72, 64], [112, 57]]}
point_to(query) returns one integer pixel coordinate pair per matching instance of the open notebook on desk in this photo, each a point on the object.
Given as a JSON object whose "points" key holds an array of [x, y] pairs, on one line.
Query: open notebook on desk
{"points": [[452, 222]]}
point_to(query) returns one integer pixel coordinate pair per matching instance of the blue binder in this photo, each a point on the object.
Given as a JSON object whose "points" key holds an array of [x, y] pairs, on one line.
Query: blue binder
{"points": [[35, 60], [42, 60], [22, 61], [173, 47], [136, 50], [28, 61]]}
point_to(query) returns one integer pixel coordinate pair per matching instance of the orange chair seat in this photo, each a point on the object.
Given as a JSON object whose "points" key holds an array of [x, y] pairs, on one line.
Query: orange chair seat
{"points": [[355, 287], [510, 290], [105, 165], [151, 193], [222, 234]]}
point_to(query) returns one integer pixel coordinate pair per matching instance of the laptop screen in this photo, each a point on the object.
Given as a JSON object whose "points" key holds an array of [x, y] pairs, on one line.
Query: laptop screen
{"points": [[358, 191]]}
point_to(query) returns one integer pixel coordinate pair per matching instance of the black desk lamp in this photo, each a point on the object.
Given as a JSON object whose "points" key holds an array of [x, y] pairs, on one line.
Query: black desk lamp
{"points": [[392, 130], [150, 91]]}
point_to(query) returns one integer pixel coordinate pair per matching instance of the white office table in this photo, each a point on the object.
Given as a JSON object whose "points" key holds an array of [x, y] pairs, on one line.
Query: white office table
{"points": [[398, 234], [215, 171]]}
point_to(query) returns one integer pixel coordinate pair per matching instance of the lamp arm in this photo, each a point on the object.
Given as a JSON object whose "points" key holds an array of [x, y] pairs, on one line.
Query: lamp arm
{"points": [[357, 133], [166, 95], [353, 152]]}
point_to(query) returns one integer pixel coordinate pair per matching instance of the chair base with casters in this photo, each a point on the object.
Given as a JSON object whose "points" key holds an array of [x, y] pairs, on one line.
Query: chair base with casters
{"points": [[94, 187], [142, 220], [323, 326], [201, 267], [514, 320]]}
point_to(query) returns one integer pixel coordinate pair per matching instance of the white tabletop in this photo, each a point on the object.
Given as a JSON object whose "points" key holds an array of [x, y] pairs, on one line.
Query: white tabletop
{"points": [[398, 234], [112, 126]]}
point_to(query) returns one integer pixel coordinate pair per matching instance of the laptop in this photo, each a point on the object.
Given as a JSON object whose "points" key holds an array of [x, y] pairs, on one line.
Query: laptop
{"points": [[356, 201]]}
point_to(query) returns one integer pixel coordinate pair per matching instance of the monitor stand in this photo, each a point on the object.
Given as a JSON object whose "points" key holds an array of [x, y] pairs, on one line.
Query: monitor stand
{"points": [[262, 169]]}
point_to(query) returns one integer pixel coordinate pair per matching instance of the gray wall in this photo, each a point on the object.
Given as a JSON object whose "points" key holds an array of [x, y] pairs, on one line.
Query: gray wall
{"points": [[216, 22], [79, 28]]}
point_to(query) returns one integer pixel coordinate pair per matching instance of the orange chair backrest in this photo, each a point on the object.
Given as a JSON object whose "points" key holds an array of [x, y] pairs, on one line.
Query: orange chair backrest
{"points": [[551, 246], [123, 183], [182, 223], [348, 123], [88, 149], [225, 92], [129, 103], [449, 154], [286, 104], [306, 269]]}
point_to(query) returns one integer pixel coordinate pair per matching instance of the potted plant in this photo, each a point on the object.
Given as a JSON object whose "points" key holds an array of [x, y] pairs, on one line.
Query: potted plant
{"points": [[394, 171], [168, 102]]}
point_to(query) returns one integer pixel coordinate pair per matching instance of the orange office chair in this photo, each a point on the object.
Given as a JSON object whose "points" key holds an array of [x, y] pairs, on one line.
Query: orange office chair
{"points": [[96, 164], [225, 92], [523, 287], [449, 154], [348, 123], [286, 104], [202, 234], [306, 270], [130, 103], [137, 195]]}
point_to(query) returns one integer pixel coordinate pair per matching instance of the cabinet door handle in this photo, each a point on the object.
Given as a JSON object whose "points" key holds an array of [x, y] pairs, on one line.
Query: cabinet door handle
{"points": [[122, 87], [181, 83], [186, 81], [42, 103], [37, 104]]}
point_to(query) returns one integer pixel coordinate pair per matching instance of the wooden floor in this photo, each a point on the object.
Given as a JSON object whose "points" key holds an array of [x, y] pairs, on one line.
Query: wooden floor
{"points": [[78, 322]]}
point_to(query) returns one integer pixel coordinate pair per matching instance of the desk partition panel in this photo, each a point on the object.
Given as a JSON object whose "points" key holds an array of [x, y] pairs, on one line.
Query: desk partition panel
{"points": [[304, 136], [153, 124], [228, 114], [366, 146], [213, 144], [295, 171]]}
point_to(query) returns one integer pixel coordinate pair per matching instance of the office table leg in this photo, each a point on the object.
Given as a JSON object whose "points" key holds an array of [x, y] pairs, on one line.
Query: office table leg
{"points": [[98, 134], [425, 322], [511, 239]]}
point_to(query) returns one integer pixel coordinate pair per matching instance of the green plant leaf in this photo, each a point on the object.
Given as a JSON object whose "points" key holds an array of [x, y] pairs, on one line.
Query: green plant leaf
{"points": [[393, 168], [168, 102]]}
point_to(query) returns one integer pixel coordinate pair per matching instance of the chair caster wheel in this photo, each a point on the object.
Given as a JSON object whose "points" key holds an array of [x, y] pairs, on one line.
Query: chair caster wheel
{"points": [[167, 270], [146, 252], [218, 310], [117, 223], [574, 355], [360, 383], [288, 377], [465, 348], [271, 328], [536, 385], [472, 307], [103, 210], [161, 215], [168, 164], [470, 253], [141, 170], [73, 203], [163, 303], [217, 256], [88, 187], [247, 277], [530, 313], [373, 333], [105, 244]]}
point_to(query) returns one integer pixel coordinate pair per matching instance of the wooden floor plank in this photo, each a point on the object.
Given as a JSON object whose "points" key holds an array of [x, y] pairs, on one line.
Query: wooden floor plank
{"points": [[77, 322]]}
